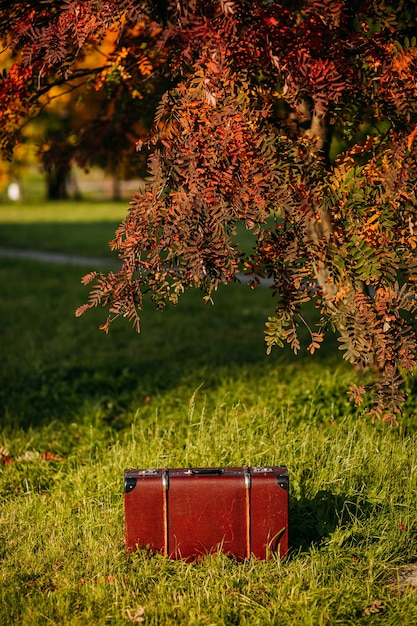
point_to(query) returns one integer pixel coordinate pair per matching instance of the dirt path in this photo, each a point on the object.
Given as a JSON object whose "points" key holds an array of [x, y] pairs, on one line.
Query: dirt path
{"points": [[92, 262], [55, 257]]}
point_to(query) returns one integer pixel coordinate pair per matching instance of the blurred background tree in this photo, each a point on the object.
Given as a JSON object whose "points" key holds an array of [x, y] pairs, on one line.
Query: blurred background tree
{"points": [[91, 115]]}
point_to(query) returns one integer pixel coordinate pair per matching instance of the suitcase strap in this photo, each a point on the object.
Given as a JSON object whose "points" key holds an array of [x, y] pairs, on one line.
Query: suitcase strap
{"points": [[248, 484], [165, 485]]}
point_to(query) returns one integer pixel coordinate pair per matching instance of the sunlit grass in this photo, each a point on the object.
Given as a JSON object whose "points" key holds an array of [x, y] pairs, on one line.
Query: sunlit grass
{"points": [[63, 212], [80, 228], [352, 518]]}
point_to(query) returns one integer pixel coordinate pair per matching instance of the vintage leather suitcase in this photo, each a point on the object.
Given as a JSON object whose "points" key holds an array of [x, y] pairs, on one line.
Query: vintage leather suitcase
{"points": [[186, 513]]}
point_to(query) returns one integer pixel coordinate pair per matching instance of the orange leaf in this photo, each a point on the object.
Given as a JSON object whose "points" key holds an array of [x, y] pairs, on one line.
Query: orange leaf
{"points": [[411, 138]]}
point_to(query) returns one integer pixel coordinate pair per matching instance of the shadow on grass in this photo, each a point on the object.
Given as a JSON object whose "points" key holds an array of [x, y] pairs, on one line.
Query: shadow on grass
{"points": [[313, 520], [53, 364], [116, 390]]}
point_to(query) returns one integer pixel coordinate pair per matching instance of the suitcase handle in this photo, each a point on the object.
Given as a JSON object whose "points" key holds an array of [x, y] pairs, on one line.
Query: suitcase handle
{"points": [[207, 470]]}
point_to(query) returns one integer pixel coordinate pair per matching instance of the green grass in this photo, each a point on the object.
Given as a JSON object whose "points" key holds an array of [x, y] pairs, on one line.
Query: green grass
{"points": [[82, 228], [196, 388]]}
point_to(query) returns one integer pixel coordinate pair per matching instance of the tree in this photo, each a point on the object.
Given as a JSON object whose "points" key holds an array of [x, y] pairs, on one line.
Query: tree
{"points": [[297, 119]]}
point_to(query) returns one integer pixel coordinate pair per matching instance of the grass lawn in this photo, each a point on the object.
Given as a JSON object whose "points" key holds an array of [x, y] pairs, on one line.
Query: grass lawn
{"points": [[195, 388], [82, 228]]}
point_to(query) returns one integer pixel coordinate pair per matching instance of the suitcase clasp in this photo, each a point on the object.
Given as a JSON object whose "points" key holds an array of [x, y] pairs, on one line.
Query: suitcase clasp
{"points": [[165, 480]]}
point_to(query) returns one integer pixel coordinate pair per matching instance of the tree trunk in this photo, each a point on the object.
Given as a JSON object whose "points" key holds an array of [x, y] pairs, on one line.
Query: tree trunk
{"points": [[57, 184], [320, 228], [117, 190]]}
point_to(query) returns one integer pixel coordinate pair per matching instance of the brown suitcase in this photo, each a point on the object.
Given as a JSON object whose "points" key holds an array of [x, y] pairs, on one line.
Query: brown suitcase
{"points": [[186, 513]]}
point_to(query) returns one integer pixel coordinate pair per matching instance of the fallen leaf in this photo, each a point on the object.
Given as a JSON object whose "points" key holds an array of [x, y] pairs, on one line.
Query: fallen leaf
{"points": [[50, 456], [375, 607], [136, 615], [29, 455]]}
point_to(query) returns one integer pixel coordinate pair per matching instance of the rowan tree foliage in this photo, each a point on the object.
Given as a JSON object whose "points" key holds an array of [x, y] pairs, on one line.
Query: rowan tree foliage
{"points": [[297, 119]]}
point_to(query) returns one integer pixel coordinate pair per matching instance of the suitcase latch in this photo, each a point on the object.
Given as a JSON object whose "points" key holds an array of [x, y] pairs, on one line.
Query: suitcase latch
{"points": [[165, 480]]}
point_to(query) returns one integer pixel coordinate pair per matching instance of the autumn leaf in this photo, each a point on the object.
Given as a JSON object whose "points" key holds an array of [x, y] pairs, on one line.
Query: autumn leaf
{"points": [[411, 137], [377, 606], [136, 615]]}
